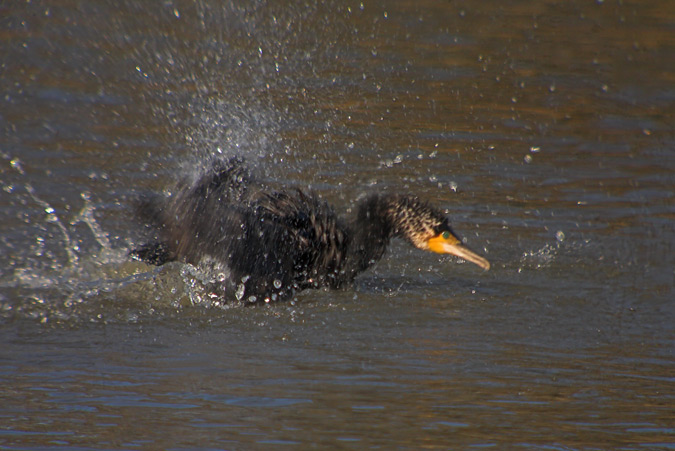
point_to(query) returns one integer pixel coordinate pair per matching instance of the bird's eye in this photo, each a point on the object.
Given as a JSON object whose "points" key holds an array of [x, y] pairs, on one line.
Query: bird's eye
{"points": [[446, 235]]}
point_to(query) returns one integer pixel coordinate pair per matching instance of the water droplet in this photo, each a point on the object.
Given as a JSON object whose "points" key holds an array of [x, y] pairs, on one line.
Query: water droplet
{"points": [[277, 283], [528, 159], [16, 164], [560, 236], [239, 294], [252, 299]]}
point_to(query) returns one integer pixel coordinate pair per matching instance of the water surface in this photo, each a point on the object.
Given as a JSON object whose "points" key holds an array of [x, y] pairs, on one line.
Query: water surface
{"points": [[546, 131]]}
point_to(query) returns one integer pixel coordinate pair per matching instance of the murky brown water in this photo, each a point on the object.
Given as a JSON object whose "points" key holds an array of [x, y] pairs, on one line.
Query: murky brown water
{"points": [[545, 129]]}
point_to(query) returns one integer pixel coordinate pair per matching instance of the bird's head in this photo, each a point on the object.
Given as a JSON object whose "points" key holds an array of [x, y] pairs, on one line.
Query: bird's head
{"points": [[428, 229]]}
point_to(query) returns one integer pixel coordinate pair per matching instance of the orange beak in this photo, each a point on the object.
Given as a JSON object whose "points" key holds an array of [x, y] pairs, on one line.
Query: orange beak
{"points": [[447, 243]]}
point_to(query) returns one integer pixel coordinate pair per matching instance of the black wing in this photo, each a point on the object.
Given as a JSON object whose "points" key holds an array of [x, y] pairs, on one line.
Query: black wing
{"points": [[267, 244]]}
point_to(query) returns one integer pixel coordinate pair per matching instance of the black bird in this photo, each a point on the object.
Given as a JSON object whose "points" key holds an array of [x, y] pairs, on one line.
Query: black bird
{"points": [[261, 244]]}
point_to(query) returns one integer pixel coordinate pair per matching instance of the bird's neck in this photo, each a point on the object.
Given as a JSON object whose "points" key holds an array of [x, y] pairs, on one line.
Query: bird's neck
{"points": [[372, 227]]}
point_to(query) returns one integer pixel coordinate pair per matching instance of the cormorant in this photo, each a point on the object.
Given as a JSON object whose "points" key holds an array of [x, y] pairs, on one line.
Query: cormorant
{"points": [[262, 244]]}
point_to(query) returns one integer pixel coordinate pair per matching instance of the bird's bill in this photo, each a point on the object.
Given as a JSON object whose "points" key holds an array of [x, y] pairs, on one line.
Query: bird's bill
{"points": [[451, 245]]}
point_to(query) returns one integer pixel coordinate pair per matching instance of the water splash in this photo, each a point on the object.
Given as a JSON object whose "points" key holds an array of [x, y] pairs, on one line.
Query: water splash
{"points": [[544, 256], [53, 218], [54, 273], [86, 216]]}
